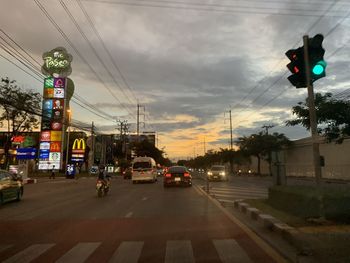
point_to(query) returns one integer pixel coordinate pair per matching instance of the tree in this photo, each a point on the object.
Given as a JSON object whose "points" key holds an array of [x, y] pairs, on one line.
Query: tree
{"points": [[145, 148], [333, 117], [261, 145], [21, 110]]}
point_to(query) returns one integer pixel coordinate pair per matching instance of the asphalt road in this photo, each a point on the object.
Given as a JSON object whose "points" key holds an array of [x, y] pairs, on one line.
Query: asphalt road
{"points": [[63, 220]]}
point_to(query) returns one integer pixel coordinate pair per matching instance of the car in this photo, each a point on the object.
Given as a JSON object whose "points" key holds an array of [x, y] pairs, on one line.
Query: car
{"points": [[144, 169], [177, 175], [217, 172], [127, 173], [11, 187], [160, 172]]}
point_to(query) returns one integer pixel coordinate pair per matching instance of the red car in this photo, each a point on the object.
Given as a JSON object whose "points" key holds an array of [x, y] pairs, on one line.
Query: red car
{"points": [[177, 175]]}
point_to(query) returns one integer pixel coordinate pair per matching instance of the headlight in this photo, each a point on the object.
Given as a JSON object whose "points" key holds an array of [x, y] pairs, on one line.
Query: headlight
{"points": [[210, 173], [222, 173]]}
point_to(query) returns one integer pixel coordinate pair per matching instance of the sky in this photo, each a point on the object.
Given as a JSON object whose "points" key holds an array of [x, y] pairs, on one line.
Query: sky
{"points": [[187, 63]]}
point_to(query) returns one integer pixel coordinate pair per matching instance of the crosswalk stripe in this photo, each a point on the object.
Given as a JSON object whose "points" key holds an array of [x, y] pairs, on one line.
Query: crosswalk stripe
{"points": [[239, 187], [28, 254], [4, 247], [179, 251], [226, 200], [230, 251], [128, 252], [79, 253]]}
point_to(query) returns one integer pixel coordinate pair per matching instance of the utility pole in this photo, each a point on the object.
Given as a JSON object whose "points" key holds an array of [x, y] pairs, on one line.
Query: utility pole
{"points": [[204, 145], [92, 152], [231, 141], [312, 113], [267, 127], [138, 120]]}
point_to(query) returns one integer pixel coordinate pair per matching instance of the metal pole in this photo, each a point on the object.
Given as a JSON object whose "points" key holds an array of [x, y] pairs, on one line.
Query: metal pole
{"points": [[138, 122], [68, 133], [312, 113], [231, 129]]}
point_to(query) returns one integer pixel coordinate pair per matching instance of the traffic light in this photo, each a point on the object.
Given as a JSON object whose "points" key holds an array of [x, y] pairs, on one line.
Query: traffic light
{"points": [[297, 67], [316, 53], [316, 62]]}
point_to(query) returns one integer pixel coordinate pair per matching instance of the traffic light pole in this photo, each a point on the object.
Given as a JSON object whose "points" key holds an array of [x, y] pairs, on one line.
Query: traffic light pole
{"points": [[312, 113]]}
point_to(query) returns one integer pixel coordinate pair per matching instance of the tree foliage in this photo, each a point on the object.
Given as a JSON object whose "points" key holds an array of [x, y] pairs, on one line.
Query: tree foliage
{"points": [[216, 157], [20, 110], [146, 148], [261, 145], [333, 116], [20, 107]]}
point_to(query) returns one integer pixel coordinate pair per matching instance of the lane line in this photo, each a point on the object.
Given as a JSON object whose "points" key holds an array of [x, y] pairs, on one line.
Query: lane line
{"points": [[230, 251], [179, 251], [129, 214], [239, 189], [79, 253], [30, 253], [199, 192], [127, 252], [144, 198], [258, 240]]}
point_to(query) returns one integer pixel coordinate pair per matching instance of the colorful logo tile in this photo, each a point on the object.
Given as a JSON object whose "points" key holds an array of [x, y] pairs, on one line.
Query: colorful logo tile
{"points": [[56, 126], [48, 83], [44, 146], [45, 136], [59, 82], [55, 147], [56, 136], [58, 104], [58, 93]]}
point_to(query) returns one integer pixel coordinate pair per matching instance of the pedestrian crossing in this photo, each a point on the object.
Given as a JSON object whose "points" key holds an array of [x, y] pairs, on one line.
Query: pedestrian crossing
{"points": [[176, 251], [229, 194]]}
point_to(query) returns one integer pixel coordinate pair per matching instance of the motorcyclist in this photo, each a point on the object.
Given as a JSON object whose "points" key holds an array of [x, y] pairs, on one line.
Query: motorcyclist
{"points": [[102, 174]]}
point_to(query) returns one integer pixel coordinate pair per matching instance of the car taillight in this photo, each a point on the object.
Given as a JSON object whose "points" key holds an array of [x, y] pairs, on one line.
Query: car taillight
{"points": [[168, 175], [186, 174]]}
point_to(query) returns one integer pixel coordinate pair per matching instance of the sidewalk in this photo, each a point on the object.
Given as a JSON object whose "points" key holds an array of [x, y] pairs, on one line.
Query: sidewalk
{"points": [[321, 242]]}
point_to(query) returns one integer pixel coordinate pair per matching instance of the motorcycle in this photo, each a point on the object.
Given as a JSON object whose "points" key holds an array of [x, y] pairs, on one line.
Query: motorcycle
{"points": [[102, 188]]}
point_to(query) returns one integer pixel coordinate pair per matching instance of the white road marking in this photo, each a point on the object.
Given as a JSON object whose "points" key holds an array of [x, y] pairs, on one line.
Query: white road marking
{"points": [[128, 252], [28, 254], [230, 251], [79, 253], [199, 192], [129, 214], [244, 190], [144, 198], [179, 251]]}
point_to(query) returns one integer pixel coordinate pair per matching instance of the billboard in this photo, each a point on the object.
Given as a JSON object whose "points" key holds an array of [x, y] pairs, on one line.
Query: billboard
{"points": [[52, 124]]}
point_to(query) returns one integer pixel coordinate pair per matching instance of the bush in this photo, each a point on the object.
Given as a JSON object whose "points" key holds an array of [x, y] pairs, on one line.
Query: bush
{"points": [[309, 201]]}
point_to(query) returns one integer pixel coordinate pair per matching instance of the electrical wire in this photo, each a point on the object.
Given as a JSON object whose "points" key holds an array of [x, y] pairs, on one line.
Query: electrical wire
{"points": [[53, 22], [92, 25], [253, 10]]}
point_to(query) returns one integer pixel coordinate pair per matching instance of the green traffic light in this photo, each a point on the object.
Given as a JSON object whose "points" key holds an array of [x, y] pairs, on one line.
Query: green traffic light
{"points": [[319, 68]]}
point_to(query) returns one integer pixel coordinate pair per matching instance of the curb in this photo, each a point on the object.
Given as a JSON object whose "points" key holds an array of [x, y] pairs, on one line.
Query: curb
{"points": [[288, 233]]}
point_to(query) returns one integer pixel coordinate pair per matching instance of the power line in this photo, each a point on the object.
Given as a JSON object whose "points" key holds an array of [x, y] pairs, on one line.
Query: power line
{"points": [[248, 10], [53, 22], [105, 48], [36, 71], [93, 48]]}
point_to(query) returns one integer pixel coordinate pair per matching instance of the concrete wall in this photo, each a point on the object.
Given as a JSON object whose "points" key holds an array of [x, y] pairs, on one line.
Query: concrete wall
{"points": [[299, 159]]}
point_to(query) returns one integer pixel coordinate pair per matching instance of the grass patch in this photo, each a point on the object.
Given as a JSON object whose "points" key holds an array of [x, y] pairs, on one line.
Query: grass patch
{"points": [[283, 216]]}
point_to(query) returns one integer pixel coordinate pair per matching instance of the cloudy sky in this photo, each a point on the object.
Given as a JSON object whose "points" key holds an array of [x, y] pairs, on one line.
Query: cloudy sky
{"points": [[186, 62]]}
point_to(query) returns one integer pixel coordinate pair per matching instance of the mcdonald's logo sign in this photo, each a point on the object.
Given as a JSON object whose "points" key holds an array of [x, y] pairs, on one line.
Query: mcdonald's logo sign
{"points": [[55, 147], [79, 146]]}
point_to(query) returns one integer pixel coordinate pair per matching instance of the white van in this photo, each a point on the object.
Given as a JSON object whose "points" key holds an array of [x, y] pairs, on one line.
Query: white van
{"points": [[144, 169]]}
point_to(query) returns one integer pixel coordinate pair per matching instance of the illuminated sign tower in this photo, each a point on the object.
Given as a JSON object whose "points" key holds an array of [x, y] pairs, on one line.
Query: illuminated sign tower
{"points": [[56, 67]]}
